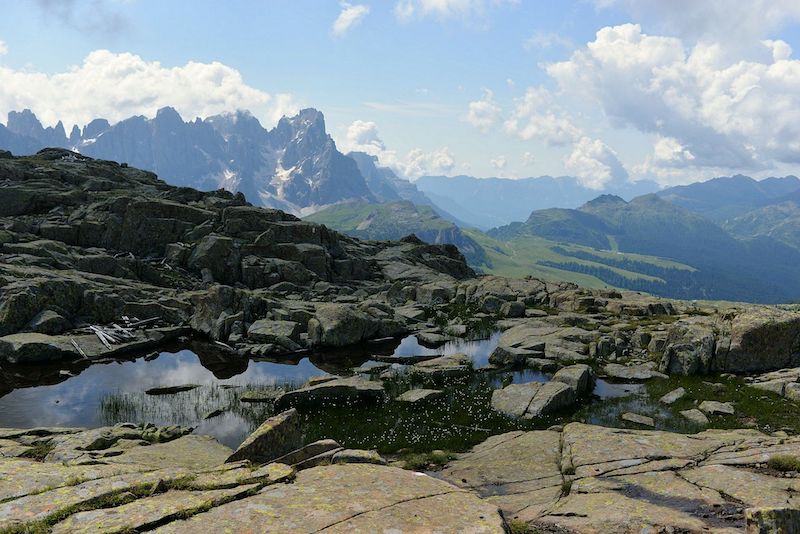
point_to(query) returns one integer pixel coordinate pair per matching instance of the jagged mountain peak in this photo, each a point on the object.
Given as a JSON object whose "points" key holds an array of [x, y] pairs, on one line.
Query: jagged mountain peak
{"points": [[24, 123]]}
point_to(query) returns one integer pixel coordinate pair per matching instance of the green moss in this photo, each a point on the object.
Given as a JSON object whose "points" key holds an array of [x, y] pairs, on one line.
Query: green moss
{"points": [[784, 462], [38, 452], [517, 526], [757, 408], [429, 460]]}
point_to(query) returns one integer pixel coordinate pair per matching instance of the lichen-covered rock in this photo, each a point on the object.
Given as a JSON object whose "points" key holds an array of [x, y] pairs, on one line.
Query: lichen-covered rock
{"points": [[352, 498], [690, 349], [774, 519]]}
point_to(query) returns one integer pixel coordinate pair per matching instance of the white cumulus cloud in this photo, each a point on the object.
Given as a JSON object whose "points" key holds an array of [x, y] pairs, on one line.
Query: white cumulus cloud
{"points": [[3, 48], [499, 163], [363, 136], [537, 116], [117, 86], [350, 16], [484, 113], [595, 164], [420, 163], [727, 114]]}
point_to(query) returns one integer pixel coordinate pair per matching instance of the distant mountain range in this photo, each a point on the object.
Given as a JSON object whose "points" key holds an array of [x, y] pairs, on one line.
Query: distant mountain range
{"points": [[720, 266], [731, 238], [489, 202]]}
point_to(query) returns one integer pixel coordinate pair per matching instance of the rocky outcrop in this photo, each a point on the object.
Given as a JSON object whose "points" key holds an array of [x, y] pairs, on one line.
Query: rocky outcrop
{"points": [[85, 241]]}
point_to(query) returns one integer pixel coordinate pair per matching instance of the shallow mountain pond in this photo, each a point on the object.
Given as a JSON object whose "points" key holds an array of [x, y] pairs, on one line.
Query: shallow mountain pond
{"points": [[115, 391]]}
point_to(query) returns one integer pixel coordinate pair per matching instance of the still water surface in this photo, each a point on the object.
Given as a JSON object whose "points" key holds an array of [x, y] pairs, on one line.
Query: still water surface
{"points": [[107, 393]]}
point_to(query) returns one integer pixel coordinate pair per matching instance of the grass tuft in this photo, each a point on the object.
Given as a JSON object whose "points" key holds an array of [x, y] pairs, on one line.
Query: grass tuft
{"points": [[784, 462]]}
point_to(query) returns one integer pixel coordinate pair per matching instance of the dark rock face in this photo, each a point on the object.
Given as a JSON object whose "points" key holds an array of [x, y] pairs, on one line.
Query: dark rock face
{"points": [[85, 240]]}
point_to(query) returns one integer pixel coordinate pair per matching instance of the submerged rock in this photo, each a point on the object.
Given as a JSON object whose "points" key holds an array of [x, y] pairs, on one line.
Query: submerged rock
{"points": [[451, 365], [339, 391], [638, 419], [414, 396], [171, 390]]}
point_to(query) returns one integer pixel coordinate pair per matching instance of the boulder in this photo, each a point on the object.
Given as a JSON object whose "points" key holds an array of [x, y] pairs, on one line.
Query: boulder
{"points": [[513, 309], [35, 348], [534, 399], [689, 350], [761, 339], [357, 456], [49, 322], [579, 377], [277, 436], [715, 407], [673, 396], [695, 416], [340, 391], [267, 331], [339, 325]]}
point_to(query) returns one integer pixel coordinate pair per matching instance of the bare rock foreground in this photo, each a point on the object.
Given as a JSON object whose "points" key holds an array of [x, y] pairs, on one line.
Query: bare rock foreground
{"points": [[583, 478]]}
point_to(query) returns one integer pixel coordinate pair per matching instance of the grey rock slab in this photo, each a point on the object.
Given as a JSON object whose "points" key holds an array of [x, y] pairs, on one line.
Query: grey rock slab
{"points": [[352, 498], [673, 396], [277, 436], [413, 396], [334, 392], [444, 366], [267, 331], [717, 408], [579, 377], [638, 419], [696, 416], [632, 372], [533, 399]]}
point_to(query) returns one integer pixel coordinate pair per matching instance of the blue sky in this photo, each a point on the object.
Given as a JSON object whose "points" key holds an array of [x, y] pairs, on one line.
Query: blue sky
{"points": [[606, 90]]}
